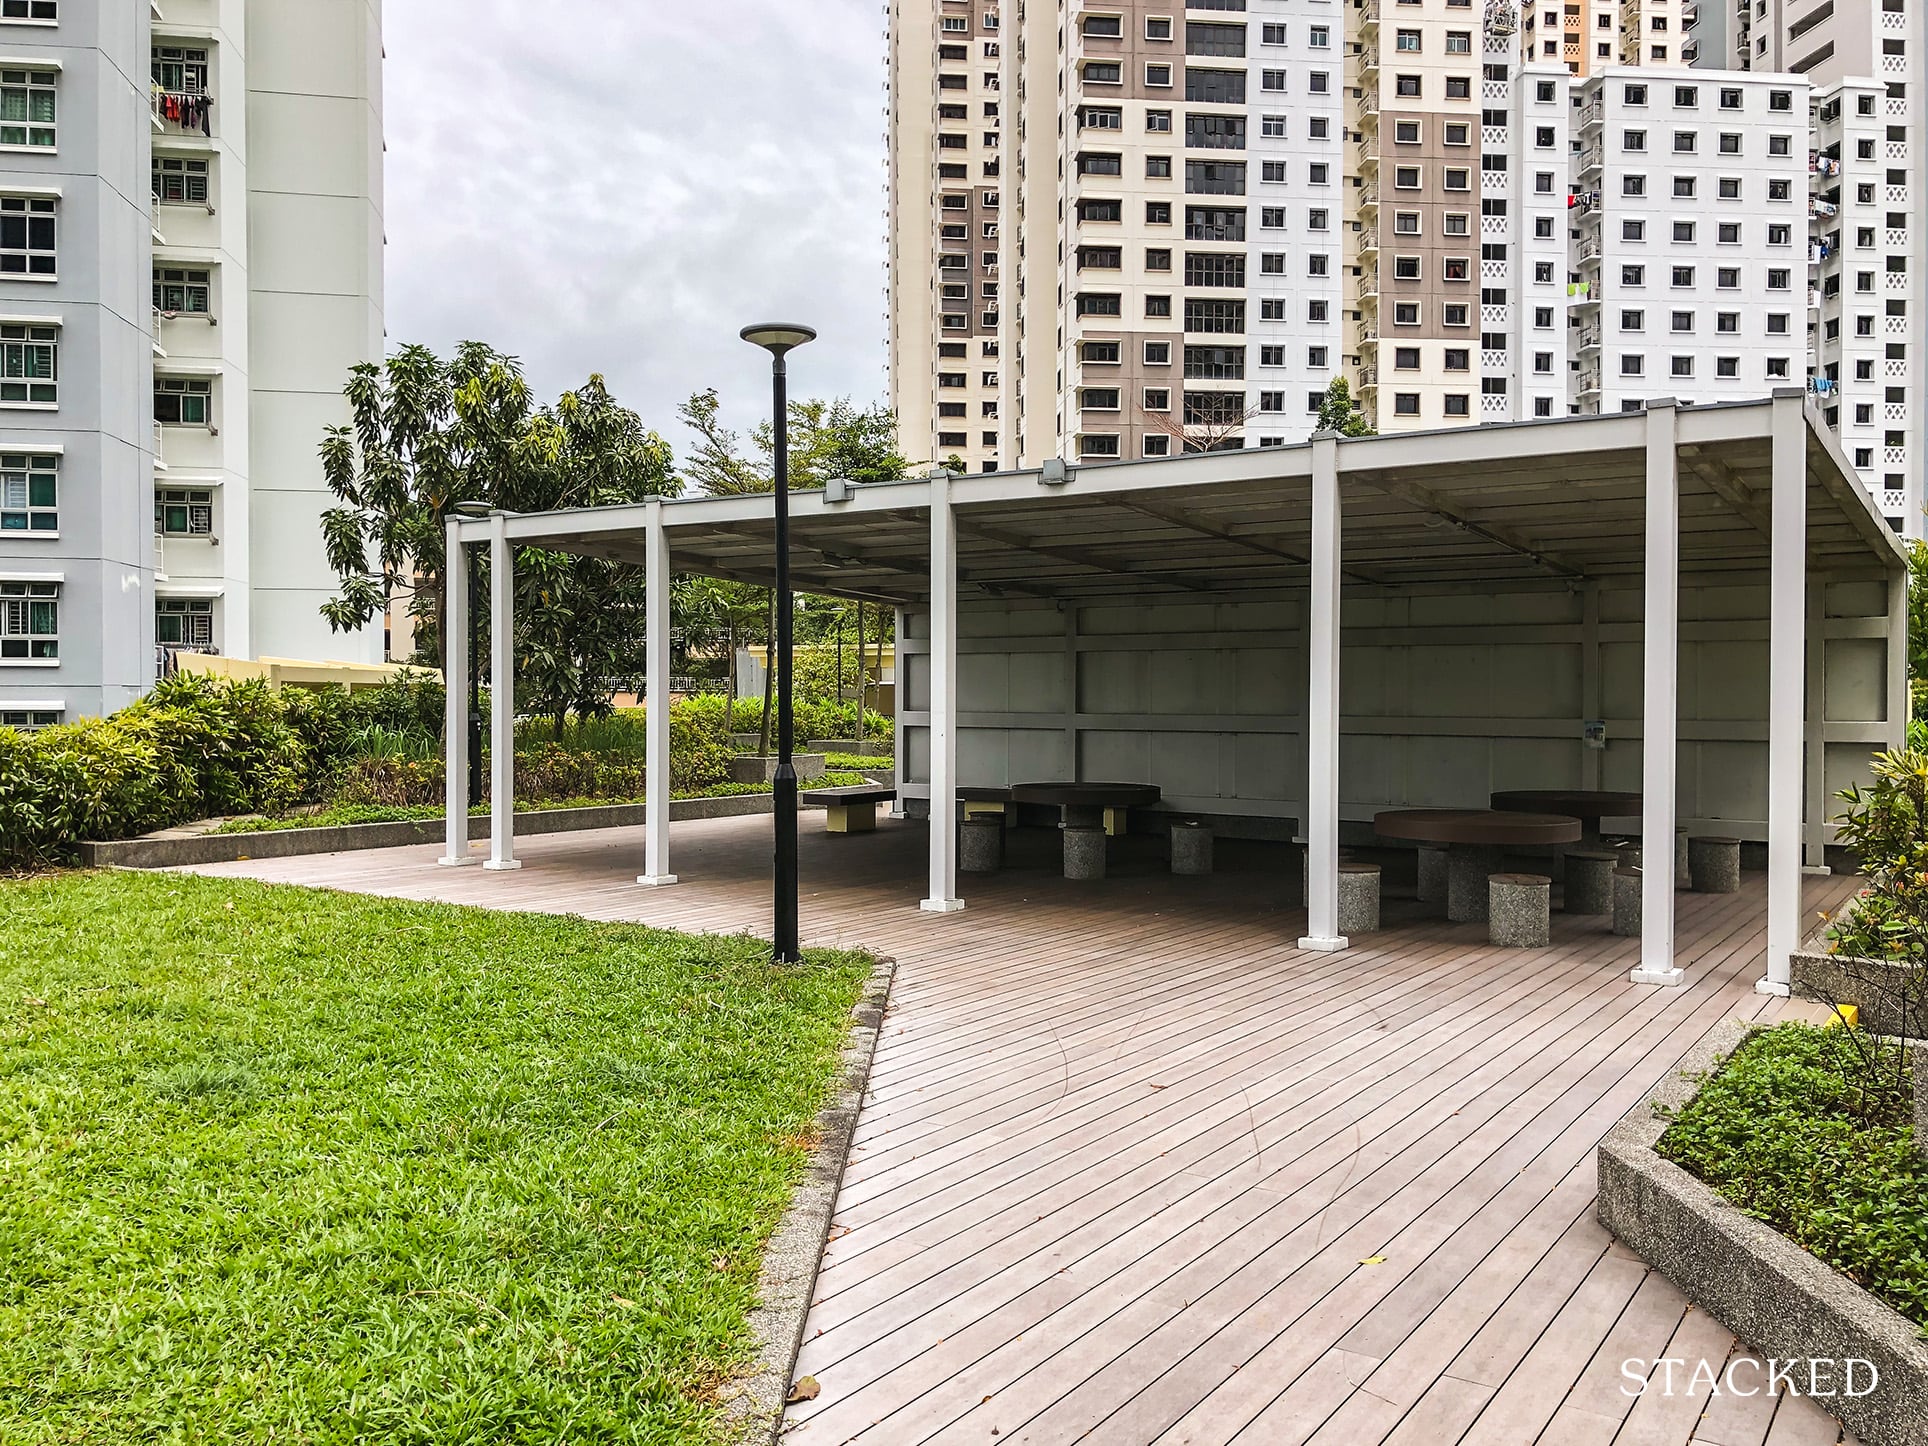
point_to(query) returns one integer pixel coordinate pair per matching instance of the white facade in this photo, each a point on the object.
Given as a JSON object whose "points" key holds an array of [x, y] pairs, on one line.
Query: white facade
{"points": [[1690, 237], [244, 260]]}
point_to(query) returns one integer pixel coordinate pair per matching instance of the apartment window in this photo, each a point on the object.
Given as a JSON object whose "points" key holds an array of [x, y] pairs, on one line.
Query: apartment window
{"points": [[1158, 446], [1633, 141], [1091, 210], [27, 107], [1727, 322], [1405, 313], [1727, 366], [1633, 276], [1314, 310], [1633, 230], [1406, 86], [1459, 87], [1685, 188], [1542, 318], [1214, 223], [29, 492], [1272, 218], [27, 236], [1459, 42], [1406, 132], [1459, 359], [187, 402], [1091, 118], [1158, 353], [1098, 163], [1159, 74], [1095, 72], [1215, 268], [1272, 125], [1729, 233], [1633, 320], [1633, 364], [1728, 278], [1458, 313], [1158, 168], [1681, 366], [1158, 306], [1779, 279], [1318, 82], [1777, 323], [178, 181], [1458, 404], [182, 70], [1780, 100], [1105, 445], [29, 621], [1777, 367], [1158, 258], [1215, 178], [1315, 356], [1317, 219], [1405, 223], [45, 11], [31, 720], [1685, 142], [1272, 263], [1633, 185], [181, 292], [1780, 234], [1272, 171], [1218, 132], [1158, 213], [1098, 399], [1405, 358], [1319, 37], [184, 512], [1271, 402], [1205, 37], [1096, 27], [1682, 321], [1405, 268], [1683, 230], [1459, 133], [1405, 404], [29, 365], [1272, 80], [1780, 190], [1635, 95], [184, 622], [1271, 356], [1215, 87], [1214, 316], [1158, 27], [1317, 174], [1158, 121], [1272, 308], [1272, 34], [1456, 223], [1458, 178], [1780, 145], [1319, 127], [1157, 399]]}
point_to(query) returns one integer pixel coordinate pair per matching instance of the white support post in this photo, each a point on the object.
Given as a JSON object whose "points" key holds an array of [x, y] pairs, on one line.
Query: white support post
{"points": [[656, 781], [1815, 791], [501, 697], [1590, 705], [1322, 706], [1661, 720], [455, 682], [1900, 705], [899, 739], [1787, 676], [943, 830]]}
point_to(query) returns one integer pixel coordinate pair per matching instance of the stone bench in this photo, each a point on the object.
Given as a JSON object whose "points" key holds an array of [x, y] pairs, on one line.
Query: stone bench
{"points": [[1627, 884], [980, 848], [1714, 865], [1191, 847], [852, 809], [1519, 910], [1589, 881], [1358, 899]]}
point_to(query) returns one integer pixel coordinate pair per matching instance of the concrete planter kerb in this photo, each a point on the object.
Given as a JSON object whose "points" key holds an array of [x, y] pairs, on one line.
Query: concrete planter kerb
{"points": [[1780, 1300]]}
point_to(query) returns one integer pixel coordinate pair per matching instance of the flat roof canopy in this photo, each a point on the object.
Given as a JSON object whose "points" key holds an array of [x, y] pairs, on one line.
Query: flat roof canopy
{"points": [[1476, 506]]}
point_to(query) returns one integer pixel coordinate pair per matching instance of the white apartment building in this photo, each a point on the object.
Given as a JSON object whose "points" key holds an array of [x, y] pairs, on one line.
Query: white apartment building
{"points": [[1473, 210], [1690, 236], [195, 197]]}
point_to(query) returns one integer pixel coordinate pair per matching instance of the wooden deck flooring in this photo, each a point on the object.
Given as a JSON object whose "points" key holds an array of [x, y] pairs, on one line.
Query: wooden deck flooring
{"points": [[1133, 1168]]}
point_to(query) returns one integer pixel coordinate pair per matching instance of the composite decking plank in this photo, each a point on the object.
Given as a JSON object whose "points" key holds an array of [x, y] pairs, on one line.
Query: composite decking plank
{"points": [[1209, 1229]]}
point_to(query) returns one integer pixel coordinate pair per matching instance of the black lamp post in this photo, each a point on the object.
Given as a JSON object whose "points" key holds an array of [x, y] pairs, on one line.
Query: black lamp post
{"points": [[472, 555], [780, 339]]}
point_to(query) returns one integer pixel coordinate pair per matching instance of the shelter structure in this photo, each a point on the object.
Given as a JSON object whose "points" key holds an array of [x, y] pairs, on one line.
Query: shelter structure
{"points": [[1698, 604]]}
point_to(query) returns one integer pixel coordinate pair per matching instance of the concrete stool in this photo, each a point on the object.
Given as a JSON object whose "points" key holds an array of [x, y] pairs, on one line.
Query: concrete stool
{"points": [[980, 847], [1467, 870], [1084, 852], [1358, 899], [1191, 848], [1589, 881], [1683, 875], [1627, 884], [1715, 865], [1520, 907], [1432, 873]]}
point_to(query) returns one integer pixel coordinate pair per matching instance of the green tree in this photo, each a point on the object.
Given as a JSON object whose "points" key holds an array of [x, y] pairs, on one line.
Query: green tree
{"points": [[1918, 626], [1339, 413], [717, 466], [834, 439], [427, 434]]}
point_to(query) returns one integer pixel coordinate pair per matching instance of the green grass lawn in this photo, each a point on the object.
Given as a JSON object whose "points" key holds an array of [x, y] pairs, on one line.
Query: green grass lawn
{"points": [[1796, 1130], [284, 1165]]}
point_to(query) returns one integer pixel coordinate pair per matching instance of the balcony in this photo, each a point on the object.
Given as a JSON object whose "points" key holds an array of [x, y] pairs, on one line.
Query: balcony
{"points": [[1368, 109], [1369, 196], [1589, 381], [1589, 338], [1369, 285], [1368, 378], [1369, 65], [181, 112], [1593, 114], [1369, 16]]}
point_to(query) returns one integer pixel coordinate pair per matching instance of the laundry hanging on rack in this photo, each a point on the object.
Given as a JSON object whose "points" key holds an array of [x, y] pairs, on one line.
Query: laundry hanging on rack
{"points": [[189, 110]]}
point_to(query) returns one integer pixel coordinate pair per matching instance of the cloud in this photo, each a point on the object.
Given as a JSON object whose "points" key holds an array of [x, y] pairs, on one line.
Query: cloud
{"points": [[619, 186]]}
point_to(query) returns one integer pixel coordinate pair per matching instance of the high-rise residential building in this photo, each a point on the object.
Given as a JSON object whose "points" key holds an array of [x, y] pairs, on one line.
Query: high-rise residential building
{"points": [[190, 262], [1865, 62], [1690, 248], [1472, 212]]}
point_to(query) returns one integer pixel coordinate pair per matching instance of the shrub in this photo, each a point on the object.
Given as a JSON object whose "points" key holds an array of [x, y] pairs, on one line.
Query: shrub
{"points": [[1886, 826]]}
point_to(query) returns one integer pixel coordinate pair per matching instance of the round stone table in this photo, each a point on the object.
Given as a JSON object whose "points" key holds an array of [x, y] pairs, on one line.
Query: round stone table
{"points": [[1477, 839], [1589, 805]]}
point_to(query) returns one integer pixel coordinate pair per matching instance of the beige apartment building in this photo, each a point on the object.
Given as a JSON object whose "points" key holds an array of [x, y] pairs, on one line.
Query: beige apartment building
{"points": [[1132, 228]]}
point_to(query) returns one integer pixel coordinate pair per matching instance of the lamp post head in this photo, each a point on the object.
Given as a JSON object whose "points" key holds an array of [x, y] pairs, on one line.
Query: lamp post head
{"points": [[778, 337], [470, 509]]}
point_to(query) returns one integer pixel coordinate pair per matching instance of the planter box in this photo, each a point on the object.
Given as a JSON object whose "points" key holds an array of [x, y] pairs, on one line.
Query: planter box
{"points": [[762, 767], [227, 848], [1780, 1300], [876, 748], [1827, 978]]}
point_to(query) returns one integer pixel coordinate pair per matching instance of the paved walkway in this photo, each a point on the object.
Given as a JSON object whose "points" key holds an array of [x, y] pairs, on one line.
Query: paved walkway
{"points": [[1135, 1169]]}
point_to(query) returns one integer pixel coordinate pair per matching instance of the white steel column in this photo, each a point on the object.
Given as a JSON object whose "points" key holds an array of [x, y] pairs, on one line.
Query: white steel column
{"points": [[1322, 706], [943, 730], [899, 744], [455, 683], [501, 697], [1815, 755], [1900, 705], [1787, 689], [1661, 716], [656, 780]]}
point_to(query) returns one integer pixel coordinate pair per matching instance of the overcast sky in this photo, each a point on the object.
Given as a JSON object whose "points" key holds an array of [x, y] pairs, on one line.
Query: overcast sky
{"points": [[619, 186]]}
